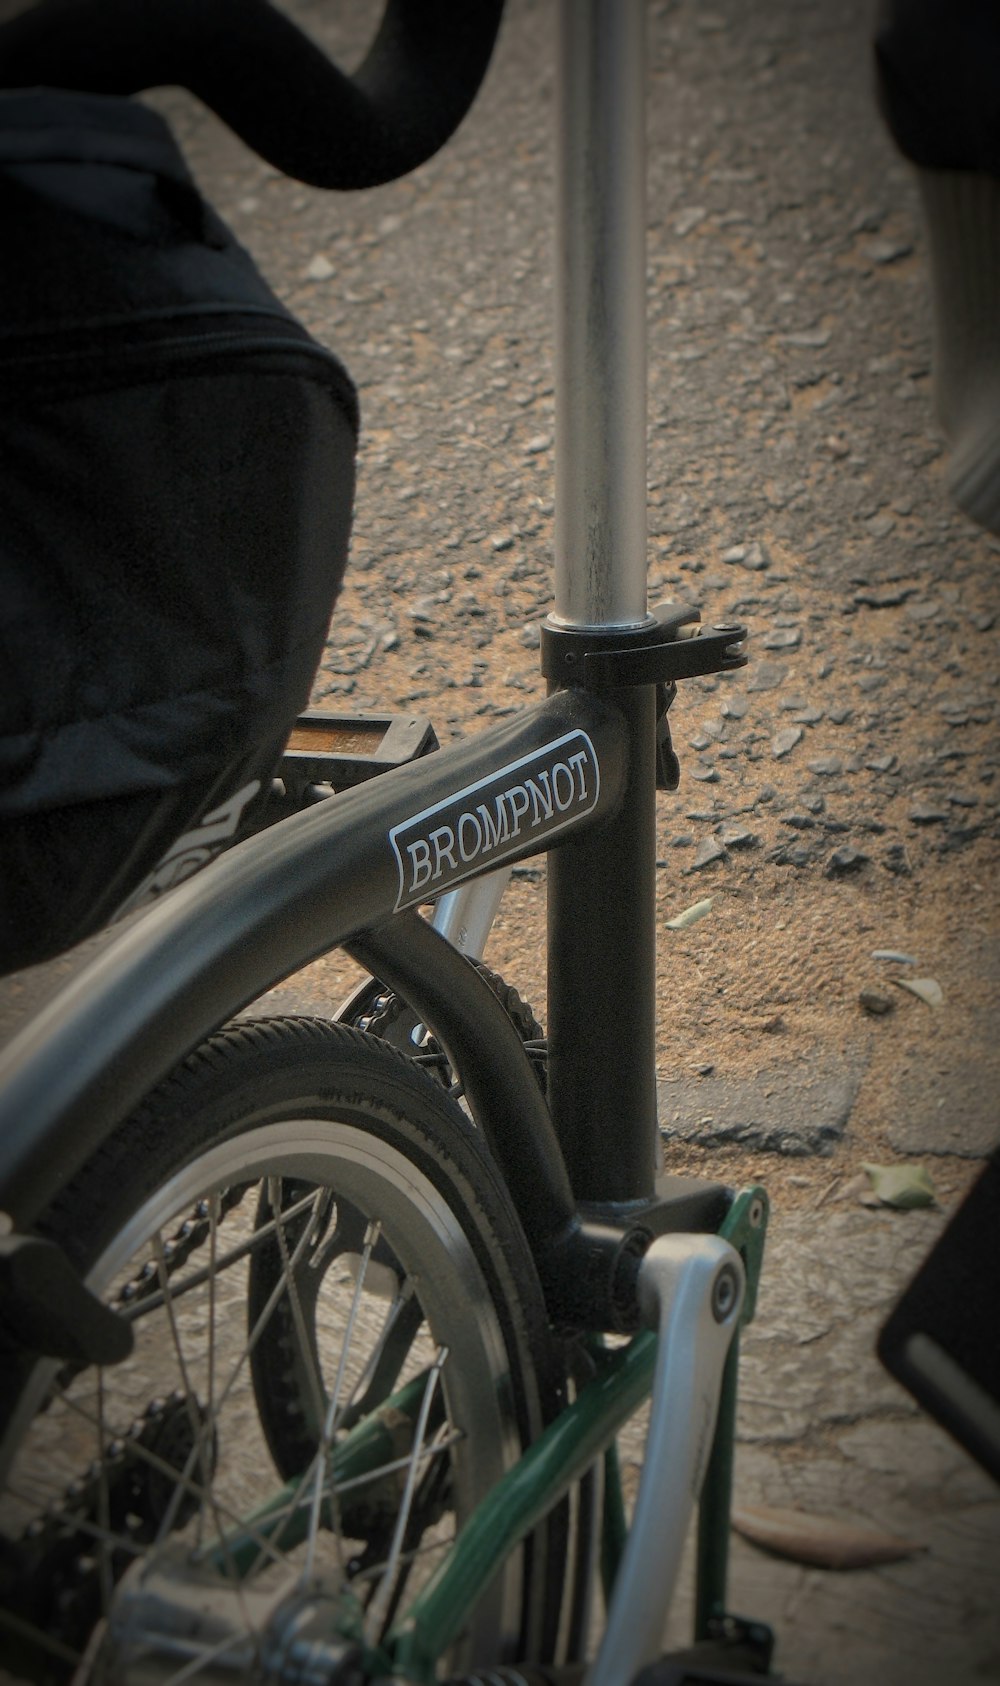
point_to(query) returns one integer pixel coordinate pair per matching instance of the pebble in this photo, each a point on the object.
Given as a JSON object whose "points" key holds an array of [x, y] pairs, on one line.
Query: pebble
{"points": [[840, 716], [809, 716], [784, 742], [894, 957], [738, 837], [734, 708], [705, 775], [753, 557], [890, 599], [790, 854], [873, 1001], [962, 799], [709, 851], [844, 863], [882, 252], [782, 638], [923, 813], [800, 822], [897, 861], [881, 763], [826, 766], [766, 676], [318, 268]]}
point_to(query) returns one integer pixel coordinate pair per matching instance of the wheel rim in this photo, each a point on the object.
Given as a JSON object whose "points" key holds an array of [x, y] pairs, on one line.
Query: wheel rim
{"points": [[184, 1320]]}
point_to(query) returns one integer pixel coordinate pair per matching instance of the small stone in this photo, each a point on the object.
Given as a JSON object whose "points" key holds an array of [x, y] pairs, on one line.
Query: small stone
{"points": [[753, 556], [809, 716], [790, 854], [873, 1001], [880, 526], [784, 742], [689, 219], [962, 799], [502, 541], [897, 861], [705, 775], [734, 708], [390, 641], [920, 612], [890, 599], [844, 863], [783, 638], [871, 682], [800, 822], [765, 676], [319, 268], [737, 837], [812, 339], [882, 252], [984, 622], [840, 716], [531, 637], [709, 851], [881, 763], [826, 766], [923, 813], [538, 444], [814, 804]]}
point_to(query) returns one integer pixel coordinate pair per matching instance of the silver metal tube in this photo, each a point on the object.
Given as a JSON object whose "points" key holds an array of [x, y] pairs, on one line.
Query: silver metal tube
{"points": [[465, 916], [600, 273], [691, 1290]]}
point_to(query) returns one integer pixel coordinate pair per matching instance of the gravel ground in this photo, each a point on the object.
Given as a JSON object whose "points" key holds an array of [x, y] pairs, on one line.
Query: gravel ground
{"points": [[839, 797]]}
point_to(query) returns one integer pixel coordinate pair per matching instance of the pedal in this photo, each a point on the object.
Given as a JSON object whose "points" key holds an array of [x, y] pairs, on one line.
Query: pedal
{"points": [[343, 750]]}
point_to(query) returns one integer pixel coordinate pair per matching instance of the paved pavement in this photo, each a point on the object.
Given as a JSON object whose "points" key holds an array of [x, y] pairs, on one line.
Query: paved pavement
{"points": [[796, 477]]}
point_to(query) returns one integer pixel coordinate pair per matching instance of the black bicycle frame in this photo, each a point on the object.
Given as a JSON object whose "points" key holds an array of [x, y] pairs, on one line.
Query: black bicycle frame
{"points": [[344, 871]]}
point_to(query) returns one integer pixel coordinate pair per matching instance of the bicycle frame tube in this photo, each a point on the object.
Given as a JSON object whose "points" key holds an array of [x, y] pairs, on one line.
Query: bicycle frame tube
{"points": [[601, 900], [600, 274], [275, 903]]}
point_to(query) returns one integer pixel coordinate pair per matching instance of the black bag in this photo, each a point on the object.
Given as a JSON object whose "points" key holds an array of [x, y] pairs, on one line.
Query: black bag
{"points": [[176, 480]]}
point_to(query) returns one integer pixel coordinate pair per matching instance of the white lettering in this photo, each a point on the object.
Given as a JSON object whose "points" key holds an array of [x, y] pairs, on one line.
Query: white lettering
{"points": [[579, 762], [518, 808], [443, 841], [467, 823], [563, 802], [420, 862], [495, 828], [541, 799]]}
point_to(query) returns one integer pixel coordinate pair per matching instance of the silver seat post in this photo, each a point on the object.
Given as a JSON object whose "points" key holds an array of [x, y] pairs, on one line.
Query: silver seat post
{"points": [[600, 277]]}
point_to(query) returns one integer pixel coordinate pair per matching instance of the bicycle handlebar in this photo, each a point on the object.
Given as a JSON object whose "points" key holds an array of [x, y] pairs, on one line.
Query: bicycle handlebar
{"points": [[266, 79]]}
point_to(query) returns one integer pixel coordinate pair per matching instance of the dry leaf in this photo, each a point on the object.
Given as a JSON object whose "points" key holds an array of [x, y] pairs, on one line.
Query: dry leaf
{"points": [[822, 1541], [690, 915], [928, 989], [903, 1186]]}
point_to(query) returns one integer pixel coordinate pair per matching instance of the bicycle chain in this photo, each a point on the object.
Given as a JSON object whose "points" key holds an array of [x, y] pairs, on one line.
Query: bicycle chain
{"points": [[388, 1008]]}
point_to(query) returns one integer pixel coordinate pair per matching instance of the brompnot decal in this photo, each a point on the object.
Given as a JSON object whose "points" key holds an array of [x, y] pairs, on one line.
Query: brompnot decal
{"points": [[484, 825]]}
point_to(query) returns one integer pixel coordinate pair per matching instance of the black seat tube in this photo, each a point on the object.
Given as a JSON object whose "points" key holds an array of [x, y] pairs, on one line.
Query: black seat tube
{"points": [[601, 1000]]}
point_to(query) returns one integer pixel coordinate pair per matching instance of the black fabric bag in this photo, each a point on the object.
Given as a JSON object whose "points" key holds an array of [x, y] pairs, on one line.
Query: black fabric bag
{"points": [[176, 481]]}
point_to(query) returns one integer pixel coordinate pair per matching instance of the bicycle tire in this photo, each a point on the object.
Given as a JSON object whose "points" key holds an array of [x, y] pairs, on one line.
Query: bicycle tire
{"points": [[333, 1129]]}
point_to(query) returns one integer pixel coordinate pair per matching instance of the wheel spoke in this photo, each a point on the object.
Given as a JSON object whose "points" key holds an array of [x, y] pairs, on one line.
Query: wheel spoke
{"points": [[379, 1608]]}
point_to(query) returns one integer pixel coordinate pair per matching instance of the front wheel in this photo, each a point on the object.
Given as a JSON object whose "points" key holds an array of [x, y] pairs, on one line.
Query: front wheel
{"points": [[340, 1347]]}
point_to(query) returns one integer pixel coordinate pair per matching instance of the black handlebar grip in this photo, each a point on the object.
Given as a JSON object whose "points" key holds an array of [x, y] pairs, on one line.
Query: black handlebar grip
{"points": [[275, 88]]}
